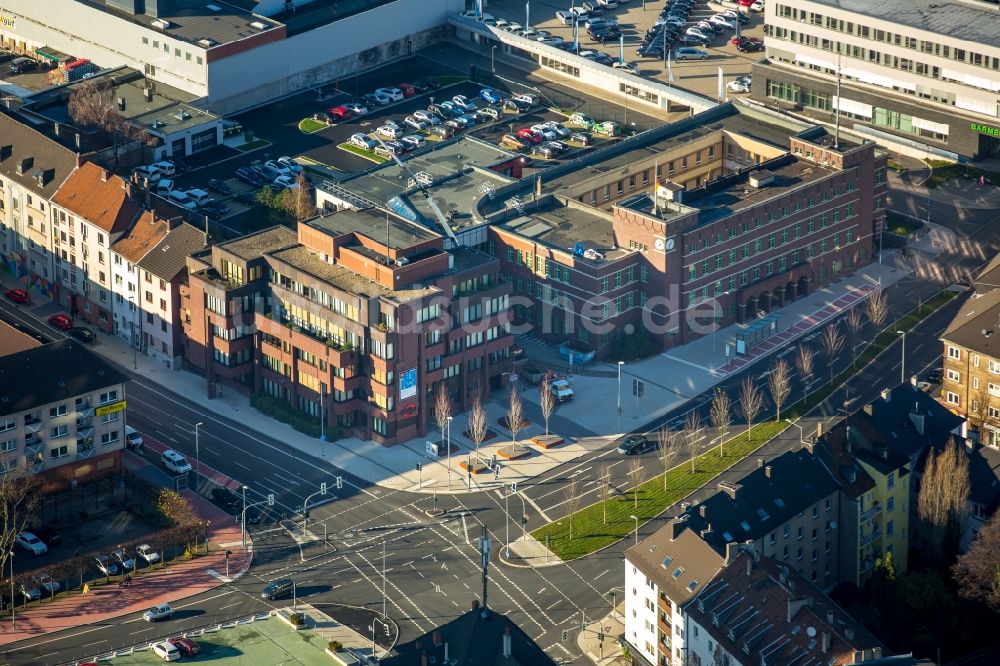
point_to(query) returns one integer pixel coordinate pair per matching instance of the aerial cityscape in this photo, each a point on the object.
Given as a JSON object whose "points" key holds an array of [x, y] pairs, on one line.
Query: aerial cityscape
{"points": [[500, 332]]}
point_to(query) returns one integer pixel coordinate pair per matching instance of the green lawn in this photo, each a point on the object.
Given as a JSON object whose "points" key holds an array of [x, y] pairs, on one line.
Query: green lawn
{"points": [[898, 224], [254, 145], [308, 125], [942, 172], [367, 154], [591, 532]]}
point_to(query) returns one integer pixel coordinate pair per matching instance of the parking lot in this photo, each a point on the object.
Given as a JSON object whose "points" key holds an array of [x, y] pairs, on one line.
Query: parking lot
{"points": [[698, 76]]}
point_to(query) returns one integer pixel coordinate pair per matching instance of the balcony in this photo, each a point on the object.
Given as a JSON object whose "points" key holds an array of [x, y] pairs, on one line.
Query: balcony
{"points": [[84, 410], [36, 465], [32, 424], [84, 430], [871, 513], [872, 536], [84, 451], [33, 447]]}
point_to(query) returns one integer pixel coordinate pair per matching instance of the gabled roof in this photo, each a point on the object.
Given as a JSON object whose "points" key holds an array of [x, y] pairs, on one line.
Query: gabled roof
{"points": [[141, 238], [762, 612], [44, 164], [984, 477], [988, 278], [99, 197], [169, 257], [977, 324], [50, 373], [762, 500], [911, 420], [680, 565]]}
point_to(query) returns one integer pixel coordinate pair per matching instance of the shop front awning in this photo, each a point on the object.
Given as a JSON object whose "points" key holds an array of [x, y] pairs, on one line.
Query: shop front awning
{"points": [[52, 55]]}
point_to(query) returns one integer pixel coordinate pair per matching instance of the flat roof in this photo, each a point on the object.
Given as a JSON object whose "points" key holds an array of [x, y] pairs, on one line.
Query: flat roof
{"points": [[215, 20], [257, 244], [969, 21], [730, 195], [554, 223], [372, 223], [13, 340]]}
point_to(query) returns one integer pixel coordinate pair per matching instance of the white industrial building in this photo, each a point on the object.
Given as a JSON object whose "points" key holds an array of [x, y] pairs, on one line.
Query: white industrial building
{"points": [[227, 54]]}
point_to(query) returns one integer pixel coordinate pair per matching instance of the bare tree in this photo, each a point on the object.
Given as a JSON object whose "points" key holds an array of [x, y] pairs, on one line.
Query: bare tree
{"points": [[638, 473], [854, 322], [981, 408], [692, 435], [547, 401], [780, 384], [442, 409], [721, 415], [515, 418], [298, 201], [833, 344], [977, 571], [751, 402], [667, 450], [18, 499], [478, 427], [804, 364], [92, 106], [572, 500], [878, 308], [604, 489], [942, 501]]}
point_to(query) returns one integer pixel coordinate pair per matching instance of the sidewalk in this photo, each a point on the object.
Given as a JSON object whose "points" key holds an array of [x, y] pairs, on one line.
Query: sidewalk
{"points": [[167, 585], [610, 627], [331, 630], [958, 192]]}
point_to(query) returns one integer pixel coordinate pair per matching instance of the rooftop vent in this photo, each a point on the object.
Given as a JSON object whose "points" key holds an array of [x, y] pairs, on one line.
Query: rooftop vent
{"points": [[213, 8], [207, 43], [6, 151], [670, 191], [162, 24], [24, 165], [761, 178], [260, 25]]}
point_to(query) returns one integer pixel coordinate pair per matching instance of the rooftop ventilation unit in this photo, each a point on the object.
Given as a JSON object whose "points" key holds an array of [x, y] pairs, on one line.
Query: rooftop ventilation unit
{"points": [[761, 178], [260, 25], [213, 8], [207, 43], [162, 24]]}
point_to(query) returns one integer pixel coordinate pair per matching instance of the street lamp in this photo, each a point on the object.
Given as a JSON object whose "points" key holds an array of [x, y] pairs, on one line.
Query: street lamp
{"points": [[322, 419], [493, 59], [802, 435], [620, 364], [636, 519], [448, 444], [506, 521], [135, 334], [902, 360], [13, 621], [197, 451], [243, 522]]}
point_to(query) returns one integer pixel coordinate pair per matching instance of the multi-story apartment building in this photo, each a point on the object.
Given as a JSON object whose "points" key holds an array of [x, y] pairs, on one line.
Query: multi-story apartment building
{"points": [[61, 414], [32, 167], [787, 509], [758, 611], [719, 218], [923, 73], [91, 210], [358, 317], [148, 267], [662, 574], [875, 483]]}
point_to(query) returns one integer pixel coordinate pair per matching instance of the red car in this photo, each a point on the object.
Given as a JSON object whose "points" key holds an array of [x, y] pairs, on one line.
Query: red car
{"points": [[185, 646], [526, 134], [735, 41], [408, 90], [61, 321], [339, 113], [18, 295]]}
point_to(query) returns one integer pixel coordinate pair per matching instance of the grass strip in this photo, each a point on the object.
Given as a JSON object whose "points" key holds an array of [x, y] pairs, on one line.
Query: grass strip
{"points": [[361, 152], [308, 125]]}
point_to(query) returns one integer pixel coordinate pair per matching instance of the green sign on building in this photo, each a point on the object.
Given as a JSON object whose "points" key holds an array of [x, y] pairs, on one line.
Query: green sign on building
{"points": [[986, 129]]}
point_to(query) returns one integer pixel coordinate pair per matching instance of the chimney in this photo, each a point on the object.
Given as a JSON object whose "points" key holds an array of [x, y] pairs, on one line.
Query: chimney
{"points": [[913, 382], [749, 566], [829, 617], [6, 151], [886, 394], [869, 409], [826, 642], [538, 186], [446, 653], [819, 430], [767, 471], [147, 94], [677, 527], [506, 643], [760, 463], [703, 511], [705, 532], [105, 174]]}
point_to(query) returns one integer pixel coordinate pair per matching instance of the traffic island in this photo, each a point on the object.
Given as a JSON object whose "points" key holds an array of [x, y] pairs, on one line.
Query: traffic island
{"points": [[547, 441], [480, 466], [514, 452]]}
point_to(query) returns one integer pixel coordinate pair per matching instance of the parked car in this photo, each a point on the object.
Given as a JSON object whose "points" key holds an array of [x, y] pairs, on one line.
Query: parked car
{"points": [[48, 536], [513, 141], [389, 132], [415, 122], [517, 106], [936, 375], [363, 141], [149, 173], [339, 113], [423, 85], [181, 199], [186, 646], [560, 130], [122, 559], [527, 98], [175, 462], [61, 321], [165, 167], [83, 334], [528, 135], [584, 138], [580, 120], [394, 94], [46, 582], [285, 182], [750, 46], [146, 552], [290, 164], [106, 566], [628, 67], [323, 117], [721, 22], [491, 95], [557, 146], [633, 445], [163, 187], [17, 295], [688, 53], [30, 592], [32, 543], [544, 131], [249, 176], [413, 141], [158, 612], [442, 132], [226, 498], [220, 187], [277, 588], [166, 651], [738, 86], [265, 171], [565, 18], [356, 108], [427, 117], [407, 89], [133, 438], [213, 208], [491, 113], [543, 151], [694, 40]]}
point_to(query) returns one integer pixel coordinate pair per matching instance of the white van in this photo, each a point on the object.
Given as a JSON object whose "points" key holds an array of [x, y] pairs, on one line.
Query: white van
{"points": [[164, 186], [199, 196], [175, 462], [166, 168], [148, 173], [182, 199], [527, 98]]}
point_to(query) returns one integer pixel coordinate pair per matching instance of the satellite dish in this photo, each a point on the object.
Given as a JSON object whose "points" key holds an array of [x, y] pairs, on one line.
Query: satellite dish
{"points": [[811, 632]]}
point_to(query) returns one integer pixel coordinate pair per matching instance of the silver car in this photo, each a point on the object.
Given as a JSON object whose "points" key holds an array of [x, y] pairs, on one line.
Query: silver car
{"points": [[106, 566], [121, 557]]}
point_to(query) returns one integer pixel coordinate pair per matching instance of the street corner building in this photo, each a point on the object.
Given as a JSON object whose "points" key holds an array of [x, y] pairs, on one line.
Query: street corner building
{"points": [[61, 412], [357, 318]]}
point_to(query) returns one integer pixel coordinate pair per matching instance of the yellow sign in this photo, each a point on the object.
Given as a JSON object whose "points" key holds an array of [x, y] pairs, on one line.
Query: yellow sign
{"points": [[110, 409], [7, 22]]}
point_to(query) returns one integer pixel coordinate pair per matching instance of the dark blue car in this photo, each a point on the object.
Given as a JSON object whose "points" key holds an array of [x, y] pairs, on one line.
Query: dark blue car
{"points": [[249, 177]]}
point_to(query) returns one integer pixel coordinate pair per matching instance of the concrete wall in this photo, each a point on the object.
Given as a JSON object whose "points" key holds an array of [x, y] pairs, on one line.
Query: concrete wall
{"points": [[336, 50], [640, 621]]}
